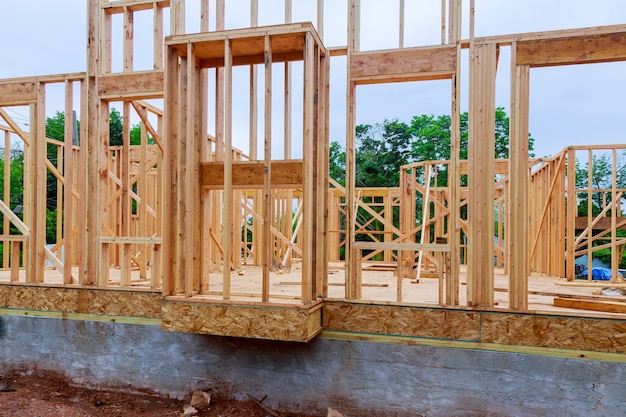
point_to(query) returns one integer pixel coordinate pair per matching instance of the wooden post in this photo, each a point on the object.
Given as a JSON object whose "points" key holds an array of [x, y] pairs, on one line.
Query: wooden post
{"points": [[37, 195], [68, 198], [481, 174], [353, 45], [128, 39], [90, 145], [454, 184], [308, 216], [228, 168], [267, 173], [7, 197], [518, 208]]}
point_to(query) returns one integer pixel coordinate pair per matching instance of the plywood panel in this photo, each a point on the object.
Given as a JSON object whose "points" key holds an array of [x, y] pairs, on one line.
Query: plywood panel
{"points": [[124, 303], [605, 335], [258, 322], [404, 321], [42, 298]]}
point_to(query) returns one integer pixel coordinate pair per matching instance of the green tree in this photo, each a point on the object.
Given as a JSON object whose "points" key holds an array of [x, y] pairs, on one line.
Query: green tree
{"points": [[382, 150], [337, 162], [384, 147], [116, 128]]}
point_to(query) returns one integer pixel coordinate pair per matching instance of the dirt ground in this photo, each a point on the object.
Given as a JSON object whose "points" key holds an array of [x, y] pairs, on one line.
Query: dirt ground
{"points": [[45, 394]]}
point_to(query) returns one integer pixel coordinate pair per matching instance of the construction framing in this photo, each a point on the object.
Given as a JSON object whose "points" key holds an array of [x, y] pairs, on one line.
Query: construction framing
{"points": [[168, 220]]}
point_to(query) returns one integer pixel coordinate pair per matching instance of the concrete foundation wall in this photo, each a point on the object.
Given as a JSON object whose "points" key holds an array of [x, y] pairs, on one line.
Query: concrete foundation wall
{"points": [[357, 378]]}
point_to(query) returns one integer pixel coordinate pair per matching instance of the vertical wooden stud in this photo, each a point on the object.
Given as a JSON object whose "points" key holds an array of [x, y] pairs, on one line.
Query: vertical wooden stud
{"points": [[518, 208], [267, 173]]}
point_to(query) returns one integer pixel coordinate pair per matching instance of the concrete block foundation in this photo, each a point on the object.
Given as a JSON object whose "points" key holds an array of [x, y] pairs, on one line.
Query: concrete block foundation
{"points": [[358, 378]]}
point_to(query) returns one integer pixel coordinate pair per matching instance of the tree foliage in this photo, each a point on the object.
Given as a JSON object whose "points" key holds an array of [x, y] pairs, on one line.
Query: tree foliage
{"points": [[382, 148]]}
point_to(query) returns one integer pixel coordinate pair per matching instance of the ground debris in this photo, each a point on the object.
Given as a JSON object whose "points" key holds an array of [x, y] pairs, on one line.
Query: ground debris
{"points": [[331, 412], [189, 411], [37, 393], [264, 407], [200, 400]]}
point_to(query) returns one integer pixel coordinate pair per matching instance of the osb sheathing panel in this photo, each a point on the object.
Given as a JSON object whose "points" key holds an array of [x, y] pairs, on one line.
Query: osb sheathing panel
{"points": [[4, 296], [74, 300], [402, 321], [124, 303], [606, 335], [240, 321], [41, 298]]}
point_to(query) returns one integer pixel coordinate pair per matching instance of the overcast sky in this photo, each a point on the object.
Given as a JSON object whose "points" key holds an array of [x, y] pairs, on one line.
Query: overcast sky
{"points": [[569, 105]]}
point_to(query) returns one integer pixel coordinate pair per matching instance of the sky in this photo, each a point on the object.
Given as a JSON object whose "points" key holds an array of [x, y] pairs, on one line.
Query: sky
{"points": [[574, 105]]}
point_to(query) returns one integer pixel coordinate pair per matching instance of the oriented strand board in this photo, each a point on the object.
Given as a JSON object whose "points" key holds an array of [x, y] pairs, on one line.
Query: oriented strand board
{"points": [[124, 303], [402, 321], [258, 322], [42, 298], [78, 300], [605, 335]]}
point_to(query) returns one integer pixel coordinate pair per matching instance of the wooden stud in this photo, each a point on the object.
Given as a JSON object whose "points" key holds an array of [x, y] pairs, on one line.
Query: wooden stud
{"points": [[128, 39], [7, 196], [68, 203], [267, 173], [518, 208], [481, 167], [228, 163], [308, 167], [353, 46]]}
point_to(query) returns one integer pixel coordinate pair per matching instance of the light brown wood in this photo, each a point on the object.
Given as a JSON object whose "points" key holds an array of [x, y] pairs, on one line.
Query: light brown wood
{"points": [[594, 305], [249, 175], [481, 175], [518, 187], [267, 174], [170, 214], [408, 64]]}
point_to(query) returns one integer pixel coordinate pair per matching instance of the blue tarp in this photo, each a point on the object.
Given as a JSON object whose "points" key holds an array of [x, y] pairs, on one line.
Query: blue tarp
{"points": [[599, 274]]}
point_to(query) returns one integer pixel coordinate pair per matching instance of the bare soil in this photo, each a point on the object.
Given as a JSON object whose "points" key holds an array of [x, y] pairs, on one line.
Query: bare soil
{"points": [[47, 394]]}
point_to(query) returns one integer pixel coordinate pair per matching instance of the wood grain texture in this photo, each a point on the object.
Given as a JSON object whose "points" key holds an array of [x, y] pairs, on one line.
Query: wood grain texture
{"points": [[606, 335], [289, 324], [403, 321], [124, 303], [405, 64], [581, 49], [131, 86]]}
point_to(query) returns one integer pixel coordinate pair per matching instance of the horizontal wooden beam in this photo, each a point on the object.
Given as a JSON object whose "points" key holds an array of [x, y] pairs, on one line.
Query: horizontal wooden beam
{"points": [[115, 7], [252, 59], [594, 305], [131, 86], [249, 174], [248, 45], [17, 93], [583, 49], [403, 65], [429, 247], [602, 223]]}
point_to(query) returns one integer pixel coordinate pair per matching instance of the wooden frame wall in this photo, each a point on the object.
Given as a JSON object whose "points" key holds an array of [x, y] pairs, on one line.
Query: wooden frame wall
{"points": [[184, 100], [113, 195]]}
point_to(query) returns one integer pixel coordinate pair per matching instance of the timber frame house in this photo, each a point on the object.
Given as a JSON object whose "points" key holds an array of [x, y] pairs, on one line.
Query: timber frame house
{"points": [[160, 230]]}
